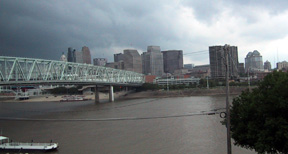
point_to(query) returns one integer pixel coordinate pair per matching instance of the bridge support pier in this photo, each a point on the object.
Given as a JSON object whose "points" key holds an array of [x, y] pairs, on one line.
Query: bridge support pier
{"points": [[97, 100], [111, 94]]}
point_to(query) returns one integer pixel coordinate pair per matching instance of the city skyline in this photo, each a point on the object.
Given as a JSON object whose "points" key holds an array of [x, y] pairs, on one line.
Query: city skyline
{"points": [[44, 29]]}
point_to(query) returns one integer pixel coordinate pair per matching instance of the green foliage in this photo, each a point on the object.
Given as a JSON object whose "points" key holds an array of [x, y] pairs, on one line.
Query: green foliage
{"points": [[259, 119], [203, 83], [148, 86]]}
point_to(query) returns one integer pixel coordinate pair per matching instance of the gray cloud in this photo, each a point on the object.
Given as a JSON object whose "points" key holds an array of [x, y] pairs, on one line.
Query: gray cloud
{"points": [[45, 29]]}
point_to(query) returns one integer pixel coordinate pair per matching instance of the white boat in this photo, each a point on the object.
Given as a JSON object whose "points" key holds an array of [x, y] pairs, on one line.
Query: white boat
{"points": [[7, 145], [67, 98]]}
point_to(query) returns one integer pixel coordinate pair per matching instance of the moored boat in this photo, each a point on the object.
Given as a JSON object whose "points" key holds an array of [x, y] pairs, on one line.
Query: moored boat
{"points": [[8, 145], [69, 98]]}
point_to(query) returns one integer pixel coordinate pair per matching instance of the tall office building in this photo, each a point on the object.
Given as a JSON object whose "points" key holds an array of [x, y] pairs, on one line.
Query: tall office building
{"points": [[132, 60], [282, 65], [173, 60], [241, 69], [100, 61], [152, 61], [267, 65], [86, 55], [217, 62], [78, 57], [129, 60], [118, 57], [253, 62], [71, 56], [188, 66]]}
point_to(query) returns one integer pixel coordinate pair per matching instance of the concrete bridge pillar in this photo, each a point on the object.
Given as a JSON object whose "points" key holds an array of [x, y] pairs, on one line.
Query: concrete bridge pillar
{"points": [[111, 94], [97, 100]]}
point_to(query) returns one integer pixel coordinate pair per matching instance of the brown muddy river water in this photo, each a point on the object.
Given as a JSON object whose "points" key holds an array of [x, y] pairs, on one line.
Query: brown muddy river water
{"points": [[75, 127]]}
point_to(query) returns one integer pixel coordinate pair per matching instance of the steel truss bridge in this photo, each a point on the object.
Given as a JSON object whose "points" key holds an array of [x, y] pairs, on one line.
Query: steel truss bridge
{"points": [[29, 71]]}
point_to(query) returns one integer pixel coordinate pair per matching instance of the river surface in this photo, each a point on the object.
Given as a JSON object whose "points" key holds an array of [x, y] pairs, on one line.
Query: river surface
{"points": [[199, 134]]}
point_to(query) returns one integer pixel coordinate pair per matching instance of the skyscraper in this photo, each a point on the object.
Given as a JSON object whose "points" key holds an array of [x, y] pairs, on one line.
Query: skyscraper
{"points": [[253, 62], [188, 66], [86, 55], [282, 65], [132, 60], [173, 60], [241, 69], [100, 61], [152, 61], [129, 60], [267, 65], [217, 62], [78, 57], [118, 57], [71, 56]]}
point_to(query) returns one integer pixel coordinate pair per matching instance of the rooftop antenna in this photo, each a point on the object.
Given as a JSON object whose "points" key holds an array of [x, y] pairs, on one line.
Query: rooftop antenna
{"points": [[277, 56], [274, 62]]}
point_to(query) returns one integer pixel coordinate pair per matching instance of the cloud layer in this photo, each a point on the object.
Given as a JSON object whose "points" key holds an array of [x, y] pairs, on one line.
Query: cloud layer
{"points": [[45, 29]]}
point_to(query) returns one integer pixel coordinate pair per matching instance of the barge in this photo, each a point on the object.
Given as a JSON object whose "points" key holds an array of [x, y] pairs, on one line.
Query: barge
{"points": [[9, 146]]}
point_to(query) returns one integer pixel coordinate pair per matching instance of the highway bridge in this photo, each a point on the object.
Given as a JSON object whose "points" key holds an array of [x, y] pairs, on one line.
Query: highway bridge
{"points": [[29, 71]]}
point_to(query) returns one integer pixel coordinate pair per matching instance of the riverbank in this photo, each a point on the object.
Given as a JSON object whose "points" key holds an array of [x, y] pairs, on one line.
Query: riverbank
{"points": [[123, 95], [57, 98], [185, 92]]}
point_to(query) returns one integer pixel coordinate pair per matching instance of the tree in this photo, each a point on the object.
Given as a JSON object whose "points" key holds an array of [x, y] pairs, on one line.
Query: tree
{"points": [[259, 119]]}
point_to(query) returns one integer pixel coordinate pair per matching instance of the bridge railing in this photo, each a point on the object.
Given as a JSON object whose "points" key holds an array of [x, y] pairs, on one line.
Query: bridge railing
{"points": [[16, 70]]}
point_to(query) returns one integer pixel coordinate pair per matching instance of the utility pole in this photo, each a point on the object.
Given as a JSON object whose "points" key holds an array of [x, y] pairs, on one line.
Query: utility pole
{"points": [[167, 82], [207, 83], [249, 80], [226, 50]]}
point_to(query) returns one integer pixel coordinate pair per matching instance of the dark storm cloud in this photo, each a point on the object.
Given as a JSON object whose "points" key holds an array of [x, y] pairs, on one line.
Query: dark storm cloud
{"points": [[45, 29]]}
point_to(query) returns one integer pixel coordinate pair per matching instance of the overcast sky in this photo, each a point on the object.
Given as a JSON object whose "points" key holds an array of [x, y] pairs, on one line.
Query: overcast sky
{"points": [[45, 29]]}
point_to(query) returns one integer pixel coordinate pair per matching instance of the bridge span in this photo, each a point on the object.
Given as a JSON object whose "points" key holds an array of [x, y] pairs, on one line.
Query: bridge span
{"points": [[29, 71]]}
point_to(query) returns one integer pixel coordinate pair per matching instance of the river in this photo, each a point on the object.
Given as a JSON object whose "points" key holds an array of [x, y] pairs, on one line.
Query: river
{"points": [[144, 133]]}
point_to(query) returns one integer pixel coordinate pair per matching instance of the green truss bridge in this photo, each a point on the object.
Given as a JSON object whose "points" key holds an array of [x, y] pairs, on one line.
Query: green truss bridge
{"points": [[29, 71]]}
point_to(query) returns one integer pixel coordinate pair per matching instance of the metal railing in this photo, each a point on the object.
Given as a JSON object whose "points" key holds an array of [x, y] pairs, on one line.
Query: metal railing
{"points": [[19, 71]]}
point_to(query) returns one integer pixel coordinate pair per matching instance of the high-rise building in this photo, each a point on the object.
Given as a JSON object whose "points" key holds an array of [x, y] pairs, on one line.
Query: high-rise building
{"points": [[86, 55], [188, 66], [100, 61], [152, 61], [201, 71], [129, 60], [78, 57], [132, 60], [63, 57], [267, 65], [282, 65], [217, 61], [71, 56], [253, 62], [173, 60], [241, 69], [118, 57]]}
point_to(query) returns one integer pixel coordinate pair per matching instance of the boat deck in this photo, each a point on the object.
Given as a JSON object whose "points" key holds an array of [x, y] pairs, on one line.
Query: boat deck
{"points": [[29, 146]]}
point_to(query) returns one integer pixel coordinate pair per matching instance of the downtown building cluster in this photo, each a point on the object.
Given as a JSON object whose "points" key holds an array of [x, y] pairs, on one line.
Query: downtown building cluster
{"points": [[159, 65]]}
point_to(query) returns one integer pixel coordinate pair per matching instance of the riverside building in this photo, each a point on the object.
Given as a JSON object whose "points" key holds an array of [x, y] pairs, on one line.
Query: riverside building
{"points": [[173, 60], [152, 61], [217, 62]]}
